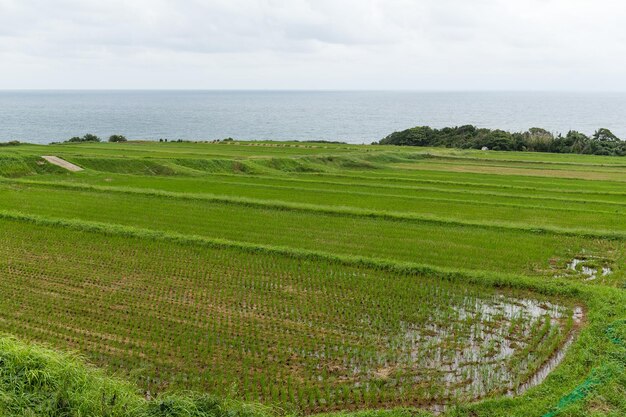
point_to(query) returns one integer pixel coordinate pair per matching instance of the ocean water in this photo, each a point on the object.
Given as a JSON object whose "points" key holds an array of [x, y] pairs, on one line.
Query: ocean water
{"points": [[355, 117]]}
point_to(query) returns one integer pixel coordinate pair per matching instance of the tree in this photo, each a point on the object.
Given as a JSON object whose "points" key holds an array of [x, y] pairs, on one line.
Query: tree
{"points": [[538, 139], [576, 141], [605, 135], [117, 138], [90, 138], [415, 136], [535, 139], [497, 140], [87, 138]]}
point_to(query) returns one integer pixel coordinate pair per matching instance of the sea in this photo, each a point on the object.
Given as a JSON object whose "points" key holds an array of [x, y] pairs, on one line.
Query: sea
{"points": [[347, 116]]}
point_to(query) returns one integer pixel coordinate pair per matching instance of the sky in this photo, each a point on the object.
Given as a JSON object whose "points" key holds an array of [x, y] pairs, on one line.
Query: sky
{"points": [[571, 45]]}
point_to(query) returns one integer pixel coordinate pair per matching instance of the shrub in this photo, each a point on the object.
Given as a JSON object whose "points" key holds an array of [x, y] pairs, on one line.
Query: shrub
{"points": [[117, 138], [91, 138], [87, 138]]}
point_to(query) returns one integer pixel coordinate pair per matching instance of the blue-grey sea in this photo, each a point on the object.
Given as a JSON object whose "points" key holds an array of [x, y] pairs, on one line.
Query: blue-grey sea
{"points": [[355, 117]]}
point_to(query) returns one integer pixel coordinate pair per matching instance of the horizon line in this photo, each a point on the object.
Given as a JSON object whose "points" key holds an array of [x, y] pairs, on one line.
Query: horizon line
{"points": [[309, 90]]}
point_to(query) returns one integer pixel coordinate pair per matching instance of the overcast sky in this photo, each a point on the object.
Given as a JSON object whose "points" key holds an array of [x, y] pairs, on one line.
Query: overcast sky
{"points": [[314, 44]]}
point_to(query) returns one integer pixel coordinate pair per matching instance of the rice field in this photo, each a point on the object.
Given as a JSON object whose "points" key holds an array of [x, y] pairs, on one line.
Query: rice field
{"points": [[323, 278]]}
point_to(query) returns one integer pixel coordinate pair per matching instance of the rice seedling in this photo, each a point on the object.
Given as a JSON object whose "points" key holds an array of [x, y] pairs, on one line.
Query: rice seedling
{"points": [[310, 278]]}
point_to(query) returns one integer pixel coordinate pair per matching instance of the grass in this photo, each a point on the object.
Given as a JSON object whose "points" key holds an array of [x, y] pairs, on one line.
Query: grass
{"points": [[346, 232], [41, 382], [277, 329], [309, 278], [575, 172]]}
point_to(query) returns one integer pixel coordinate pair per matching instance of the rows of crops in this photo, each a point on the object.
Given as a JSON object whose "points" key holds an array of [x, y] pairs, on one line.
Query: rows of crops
{"points": [[320, 277], [459, 246], [277, 330], [520, 211]]}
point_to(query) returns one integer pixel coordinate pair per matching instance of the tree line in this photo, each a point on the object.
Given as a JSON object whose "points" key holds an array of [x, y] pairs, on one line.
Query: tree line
{"points": [[536, 139], [89, 137]]}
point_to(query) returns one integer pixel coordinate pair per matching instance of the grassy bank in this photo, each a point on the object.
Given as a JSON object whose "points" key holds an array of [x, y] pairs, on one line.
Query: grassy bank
{"points": [[36, 381]]}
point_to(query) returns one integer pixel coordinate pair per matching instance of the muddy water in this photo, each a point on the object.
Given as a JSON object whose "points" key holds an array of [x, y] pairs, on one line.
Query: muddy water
{"points": [[554, 361], [545, 369], [579, 265], [483, 355]]}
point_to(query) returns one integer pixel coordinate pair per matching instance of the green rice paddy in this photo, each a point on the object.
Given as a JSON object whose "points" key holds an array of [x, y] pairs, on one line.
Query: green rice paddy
{"points": [[320, 278]]}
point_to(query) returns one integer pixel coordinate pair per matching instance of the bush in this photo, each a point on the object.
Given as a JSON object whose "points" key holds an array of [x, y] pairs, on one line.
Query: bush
{"points": [[90, 138], [87, 138], [117, 138]]}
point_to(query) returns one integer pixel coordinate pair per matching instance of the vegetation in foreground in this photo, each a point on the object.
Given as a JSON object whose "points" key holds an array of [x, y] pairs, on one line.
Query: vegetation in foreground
{"points": [[117, 268], [35, 381]]}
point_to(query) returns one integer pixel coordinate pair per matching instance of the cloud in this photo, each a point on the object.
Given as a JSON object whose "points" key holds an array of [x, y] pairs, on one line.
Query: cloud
{"points": [[412, 44]]}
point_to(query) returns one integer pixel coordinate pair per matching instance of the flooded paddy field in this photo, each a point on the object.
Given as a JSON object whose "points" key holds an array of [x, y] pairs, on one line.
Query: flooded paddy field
{"points": [[323, 278], [319, 334]]}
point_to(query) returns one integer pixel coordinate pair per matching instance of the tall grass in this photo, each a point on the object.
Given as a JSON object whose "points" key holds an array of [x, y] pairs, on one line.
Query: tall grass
{"points": [[36, 381]]}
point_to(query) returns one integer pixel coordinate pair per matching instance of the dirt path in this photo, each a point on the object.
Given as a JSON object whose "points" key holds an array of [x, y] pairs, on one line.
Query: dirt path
{"points": [[62, 163]]}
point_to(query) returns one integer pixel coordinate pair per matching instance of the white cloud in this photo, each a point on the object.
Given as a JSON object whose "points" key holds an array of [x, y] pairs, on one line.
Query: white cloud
{"points": [[368, 44]]}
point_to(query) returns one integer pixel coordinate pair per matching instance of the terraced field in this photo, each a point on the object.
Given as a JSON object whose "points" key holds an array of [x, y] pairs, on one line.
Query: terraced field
{"points": [[325, 277]]}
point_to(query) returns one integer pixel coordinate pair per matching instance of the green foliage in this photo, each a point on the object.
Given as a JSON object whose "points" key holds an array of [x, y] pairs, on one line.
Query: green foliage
{"points": [[536, 139], [87, 138], [605, 135], [117, 138]]}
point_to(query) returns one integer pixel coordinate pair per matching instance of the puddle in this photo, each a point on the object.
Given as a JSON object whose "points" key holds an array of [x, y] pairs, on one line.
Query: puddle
{"points": [[466, 348], [485, 358], [581, 266], [554, 361], [539, 375]]}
